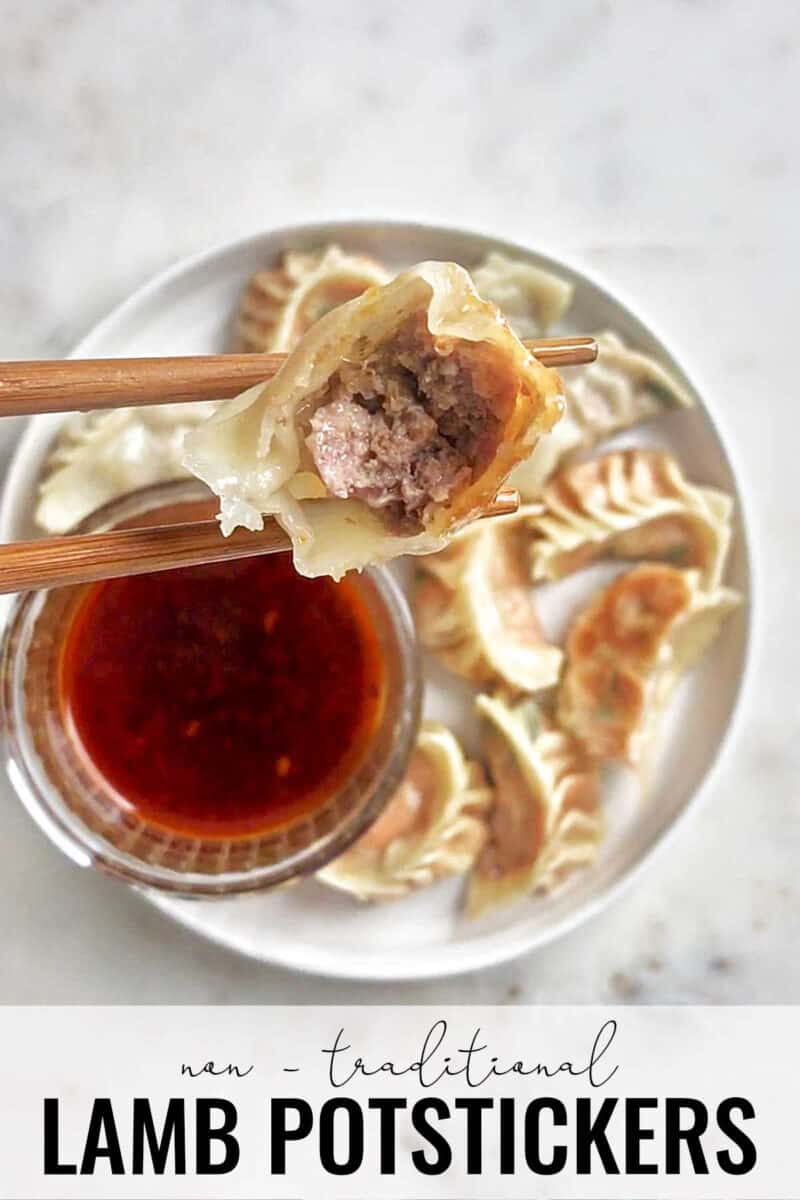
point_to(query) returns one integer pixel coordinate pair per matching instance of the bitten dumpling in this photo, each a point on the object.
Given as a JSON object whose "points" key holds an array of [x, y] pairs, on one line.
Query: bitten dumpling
{"points": [[546, 817], [431, 828], [621, 388], [531, 298], [394, 421], [279, 305], [632, 504], [626, 651], [100, 456], [474, 608]]}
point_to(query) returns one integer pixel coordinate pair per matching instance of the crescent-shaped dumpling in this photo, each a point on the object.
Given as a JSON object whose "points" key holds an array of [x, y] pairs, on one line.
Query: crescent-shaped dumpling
{"points": [[431, 828], [474, 608], [281, 304], [532, 298], [631, 504], [546, 817], [100, 456], [627, 649], [622, 387], [393, 422]]}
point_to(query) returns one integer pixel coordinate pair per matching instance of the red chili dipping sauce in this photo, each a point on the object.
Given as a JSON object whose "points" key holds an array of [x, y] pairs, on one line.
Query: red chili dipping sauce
{"points": [[225, 700]]}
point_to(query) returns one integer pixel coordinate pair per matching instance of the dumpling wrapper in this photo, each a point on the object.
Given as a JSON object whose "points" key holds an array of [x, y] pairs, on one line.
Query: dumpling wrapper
{"points": [[101, 456], [431, 828], [546, 818], [281, 304], [631, 504], [474, 608], [621, 388], [255, 454], [530, 297], [626, 651]]}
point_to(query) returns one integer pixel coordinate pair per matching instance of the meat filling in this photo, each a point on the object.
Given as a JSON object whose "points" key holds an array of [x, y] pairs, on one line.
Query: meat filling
{"points": [[411, 426]]}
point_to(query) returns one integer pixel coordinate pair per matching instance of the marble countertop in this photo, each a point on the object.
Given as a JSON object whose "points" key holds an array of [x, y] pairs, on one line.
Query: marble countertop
{"points": [[652, 143]]}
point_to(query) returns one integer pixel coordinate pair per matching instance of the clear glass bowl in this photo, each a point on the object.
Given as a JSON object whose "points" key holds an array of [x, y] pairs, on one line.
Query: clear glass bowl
{"points": [[78, 809]]}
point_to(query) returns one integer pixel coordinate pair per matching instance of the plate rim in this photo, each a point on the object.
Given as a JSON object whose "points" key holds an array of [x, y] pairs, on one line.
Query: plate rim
{"points": [[503, 945]]}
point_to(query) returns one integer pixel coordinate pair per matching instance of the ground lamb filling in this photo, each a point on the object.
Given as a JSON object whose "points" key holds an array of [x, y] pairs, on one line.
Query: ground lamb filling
{"points": [[411, 426]]}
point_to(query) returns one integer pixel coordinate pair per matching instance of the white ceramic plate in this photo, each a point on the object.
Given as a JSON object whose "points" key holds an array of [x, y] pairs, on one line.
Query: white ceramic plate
{"points": [[188, 310]]}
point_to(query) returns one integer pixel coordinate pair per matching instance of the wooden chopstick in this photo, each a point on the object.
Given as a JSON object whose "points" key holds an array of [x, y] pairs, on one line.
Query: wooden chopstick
{"points": [[85, 558], [87, 385]]}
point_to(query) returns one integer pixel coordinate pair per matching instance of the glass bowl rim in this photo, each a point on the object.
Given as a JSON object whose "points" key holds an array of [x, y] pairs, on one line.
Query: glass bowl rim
{"points": [[87, 847]]}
